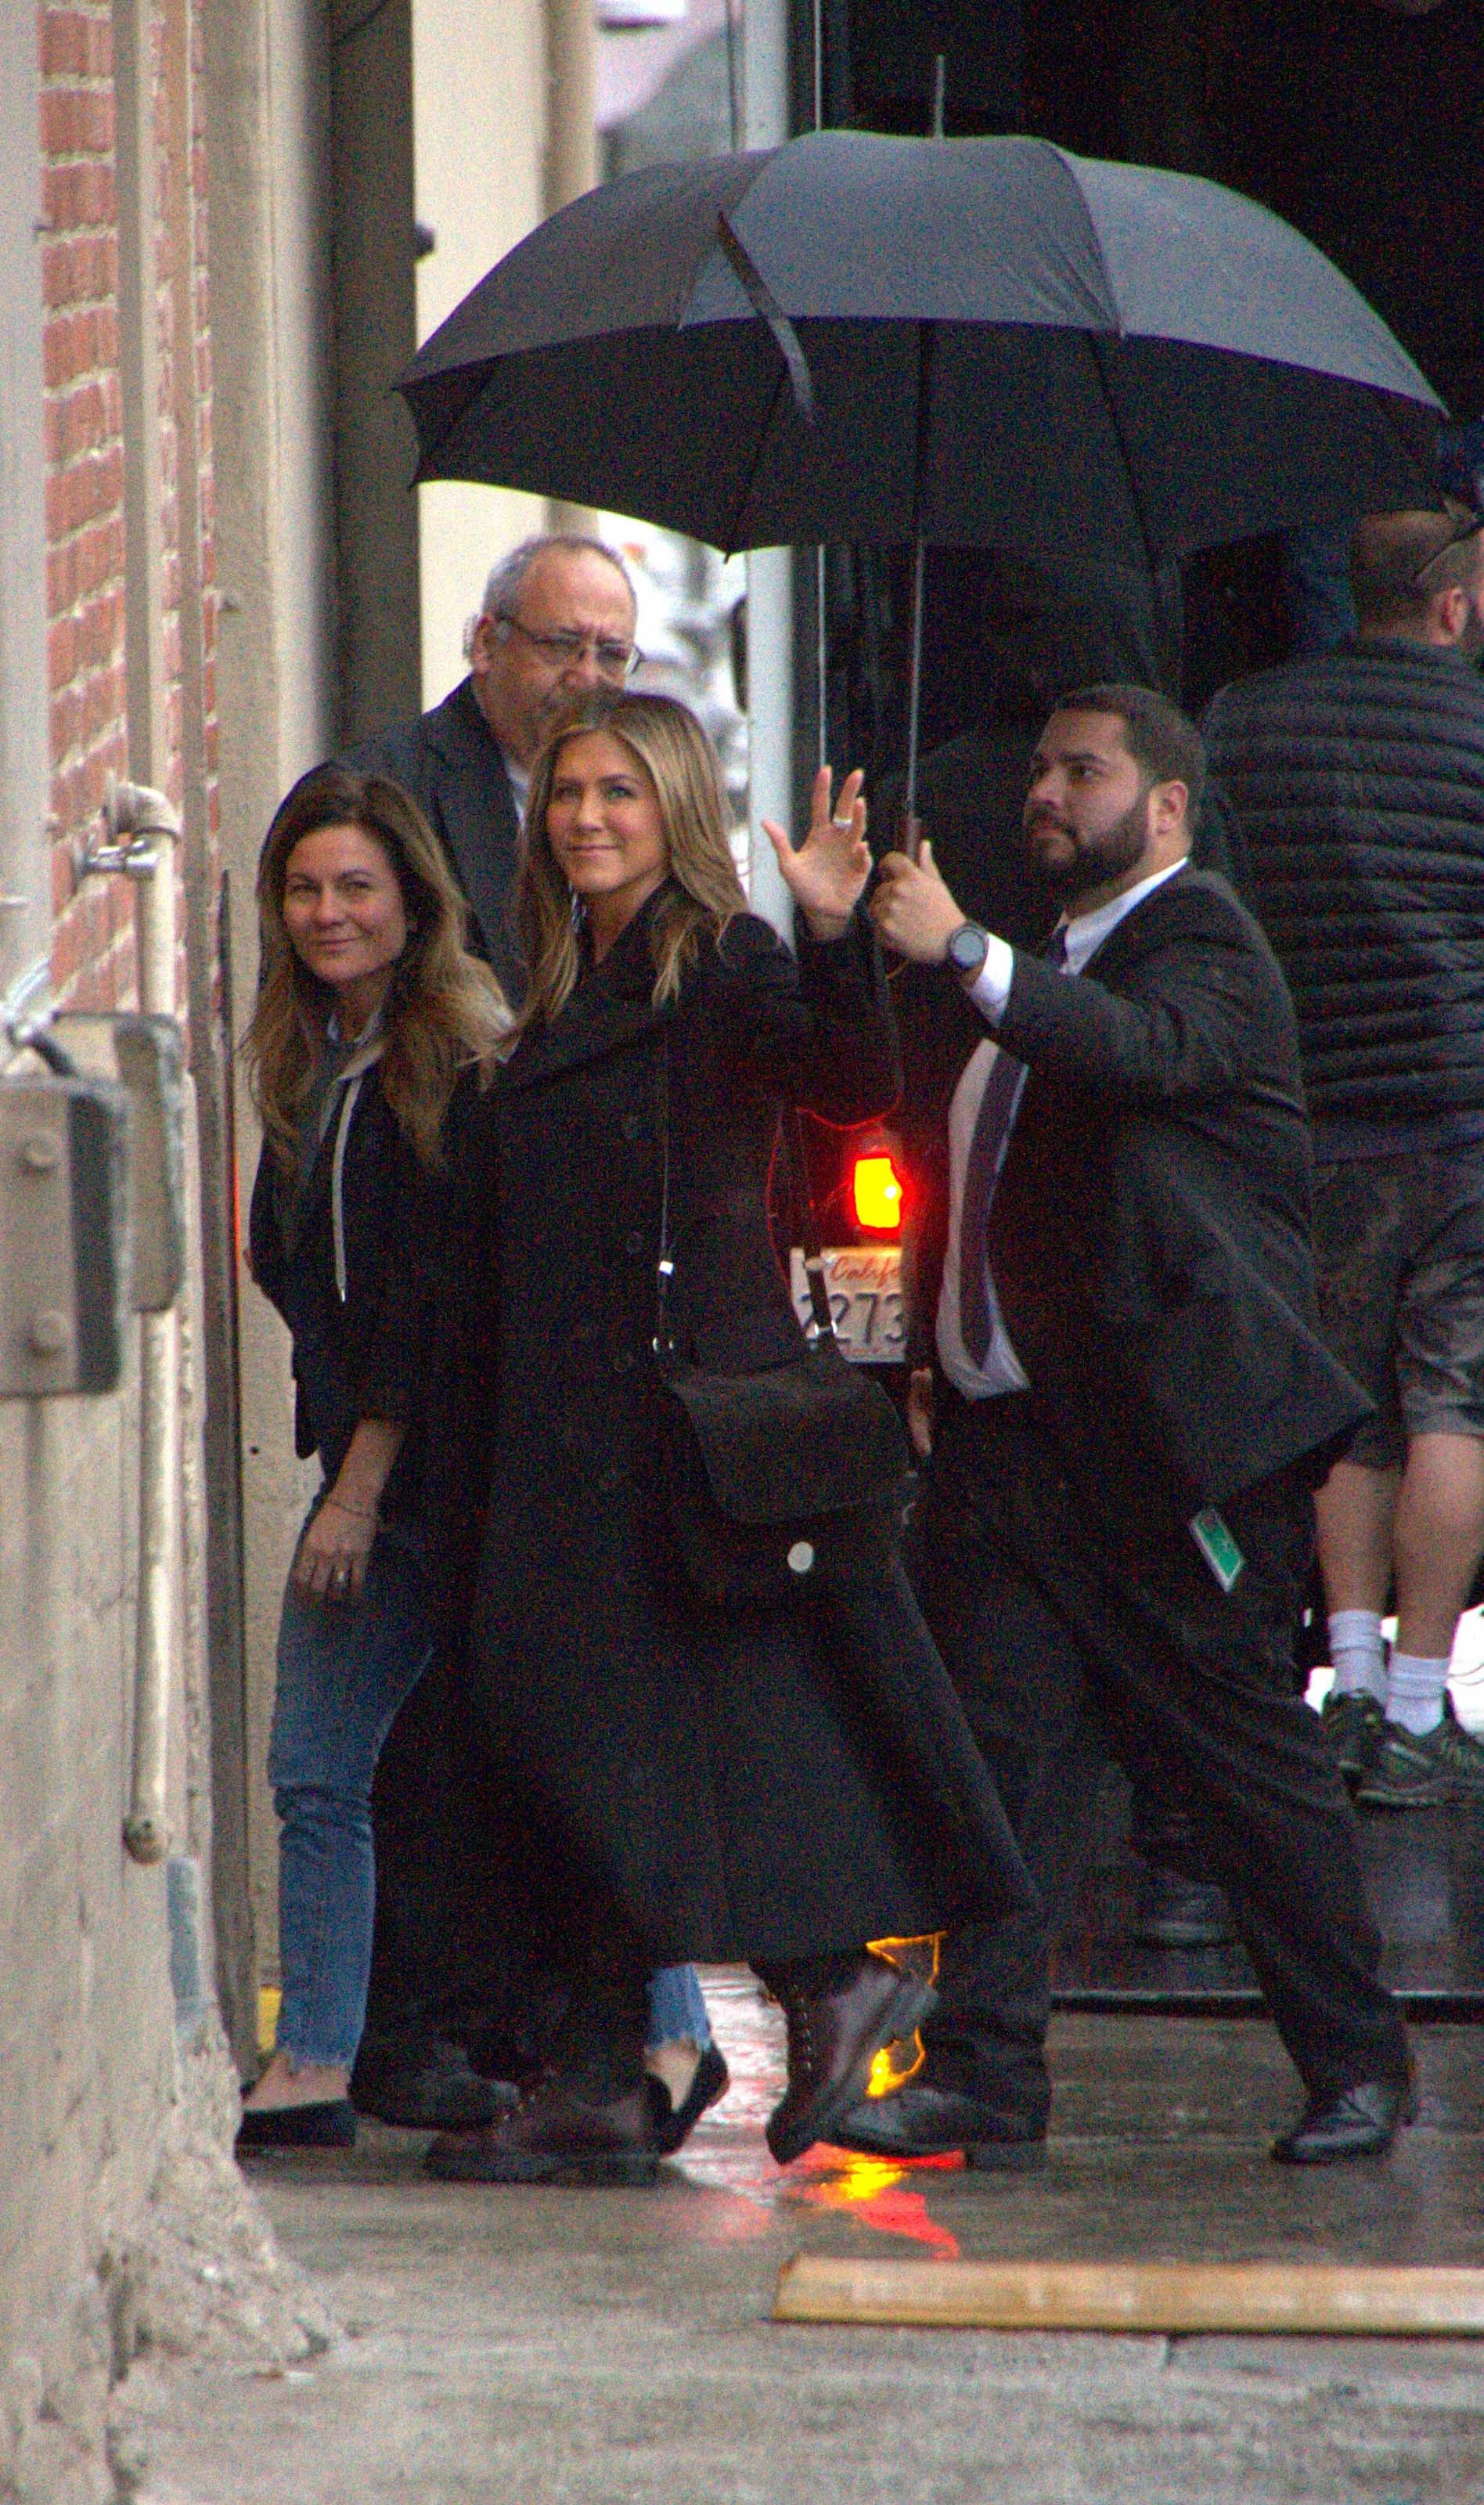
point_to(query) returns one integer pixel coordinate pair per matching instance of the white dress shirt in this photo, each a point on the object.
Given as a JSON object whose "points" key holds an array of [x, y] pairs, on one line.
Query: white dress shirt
{"points": [[990, 991]]}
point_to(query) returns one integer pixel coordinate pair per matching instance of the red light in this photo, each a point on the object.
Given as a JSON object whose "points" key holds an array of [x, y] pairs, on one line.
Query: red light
{"points": [[878, 1192]]}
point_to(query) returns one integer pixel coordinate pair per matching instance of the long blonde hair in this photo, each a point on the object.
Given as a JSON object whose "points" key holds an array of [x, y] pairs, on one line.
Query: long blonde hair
{"points": [[442, 1009], [702, 892]]}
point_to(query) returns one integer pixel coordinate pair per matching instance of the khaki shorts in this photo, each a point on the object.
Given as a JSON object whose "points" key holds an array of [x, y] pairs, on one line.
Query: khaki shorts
{"points": [[1400, 1246]]}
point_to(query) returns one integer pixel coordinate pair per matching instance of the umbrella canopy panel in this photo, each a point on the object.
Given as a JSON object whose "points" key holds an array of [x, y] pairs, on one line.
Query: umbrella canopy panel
{"points": [[1004, 343]]}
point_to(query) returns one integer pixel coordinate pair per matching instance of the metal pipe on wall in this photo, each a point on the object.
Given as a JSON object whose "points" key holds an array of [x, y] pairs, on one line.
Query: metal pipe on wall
{"points": [[146, 817], [139, 811]]}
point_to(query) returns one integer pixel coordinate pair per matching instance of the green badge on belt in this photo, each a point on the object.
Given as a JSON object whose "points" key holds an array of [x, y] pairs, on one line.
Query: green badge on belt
{"points": [[1217, 1545]]}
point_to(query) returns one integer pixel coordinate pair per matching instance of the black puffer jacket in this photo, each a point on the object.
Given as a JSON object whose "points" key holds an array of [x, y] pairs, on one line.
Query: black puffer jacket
{"points": [[1355, 782]]}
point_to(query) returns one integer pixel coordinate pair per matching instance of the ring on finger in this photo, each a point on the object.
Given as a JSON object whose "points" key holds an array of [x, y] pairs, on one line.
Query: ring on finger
{"points": [[843, 825]]}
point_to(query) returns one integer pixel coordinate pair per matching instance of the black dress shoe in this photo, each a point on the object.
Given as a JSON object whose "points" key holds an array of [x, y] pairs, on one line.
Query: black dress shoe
{"points": [[921, 2120], [554, 2134], [834, 2037], [424, 2084], [1179, 1913], [674, 2123], [330, 2124], [1362, 2121]]}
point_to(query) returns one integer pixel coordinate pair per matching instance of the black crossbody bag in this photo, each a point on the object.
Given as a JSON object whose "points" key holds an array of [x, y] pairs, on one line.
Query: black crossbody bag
{"points": [[786, 1479]]}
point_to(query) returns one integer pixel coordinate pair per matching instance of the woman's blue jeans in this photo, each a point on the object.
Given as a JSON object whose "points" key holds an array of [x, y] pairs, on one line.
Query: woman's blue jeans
{"points": [[344, 1667], [677, 2009], [345, 1670]]}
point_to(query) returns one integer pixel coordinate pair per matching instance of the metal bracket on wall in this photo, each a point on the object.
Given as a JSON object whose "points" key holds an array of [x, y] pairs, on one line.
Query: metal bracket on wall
{"points": [[63, 1235]]}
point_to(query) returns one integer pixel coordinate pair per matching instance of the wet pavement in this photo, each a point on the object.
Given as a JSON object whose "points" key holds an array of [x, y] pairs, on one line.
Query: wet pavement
{"points": [[605, 2347], [1424, 1875]]}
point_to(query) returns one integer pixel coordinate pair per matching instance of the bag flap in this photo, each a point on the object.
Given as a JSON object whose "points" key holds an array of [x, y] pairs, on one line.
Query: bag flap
{"points": [[814, 1437]]}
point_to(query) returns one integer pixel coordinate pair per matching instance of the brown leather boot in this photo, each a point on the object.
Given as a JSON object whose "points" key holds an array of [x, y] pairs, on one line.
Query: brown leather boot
{"points": [[554, 2135], [834, 2037]]}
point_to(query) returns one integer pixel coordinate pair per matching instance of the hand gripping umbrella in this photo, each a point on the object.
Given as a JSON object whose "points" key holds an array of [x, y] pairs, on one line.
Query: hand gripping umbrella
{"points": [[974, 341]]}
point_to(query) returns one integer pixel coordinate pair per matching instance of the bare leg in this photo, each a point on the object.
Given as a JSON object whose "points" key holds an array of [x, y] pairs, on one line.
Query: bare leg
{"points": [[1356, 1510], [1440, 1538]]}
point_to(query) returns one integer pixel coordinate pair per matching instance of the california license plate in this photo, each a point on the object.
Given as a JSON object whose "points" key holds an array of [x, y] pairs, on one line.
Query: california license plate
{"points": [[865, 1285]]}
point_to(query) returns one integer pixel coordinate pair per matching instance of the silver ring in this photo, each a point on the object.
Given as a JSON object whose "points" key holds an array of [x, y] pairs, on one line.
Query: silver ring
{"points": [[844, 823]]}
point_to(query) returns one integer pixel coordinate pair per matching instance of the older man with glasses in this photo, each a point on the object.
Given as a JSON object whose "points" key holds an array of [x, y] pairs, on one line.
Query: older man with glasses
{"points": [[556, 621], [1357, 781]]}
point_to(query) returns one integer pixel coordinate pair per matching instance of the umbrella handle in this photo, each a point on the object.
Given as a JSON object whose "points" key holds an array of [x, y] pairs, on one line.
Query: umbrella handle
{"points": [[909, 834]]}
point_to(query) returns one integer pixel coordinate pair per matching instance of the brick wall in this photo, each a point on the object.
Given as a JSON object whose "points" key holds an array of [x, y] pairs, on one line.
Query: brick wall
{"points": [[92, 946], [92, 924]]}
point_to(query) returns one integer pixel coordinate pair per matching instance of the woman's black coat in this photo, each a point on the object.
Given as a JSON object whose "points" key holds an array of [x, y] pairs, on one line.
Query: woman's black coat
{"points": [[763, 1784]]}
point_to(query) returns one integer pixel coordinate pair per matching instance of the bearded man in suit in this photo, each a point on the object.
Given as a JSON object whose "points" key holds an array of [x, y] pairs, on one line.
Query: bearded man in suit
{"points": [[1133, 1409]]}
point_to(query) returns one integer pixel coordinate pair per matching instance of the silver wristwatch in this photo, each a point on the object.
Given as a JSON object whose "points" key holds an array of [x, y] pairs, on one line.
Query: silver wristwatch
{"points": [[967, 950]]}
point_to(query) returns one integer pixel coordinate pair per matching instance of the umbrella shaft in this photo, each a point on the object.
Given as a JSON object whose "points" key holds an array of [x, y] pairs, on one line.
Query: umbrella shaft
{"points": [[914, 683]]}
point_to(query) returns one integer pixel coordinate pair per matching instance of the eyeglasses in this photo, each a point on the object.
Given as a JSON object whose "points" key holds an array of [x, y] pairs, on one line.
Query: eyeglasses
{"points": [[564, 646], [1467, 527]]}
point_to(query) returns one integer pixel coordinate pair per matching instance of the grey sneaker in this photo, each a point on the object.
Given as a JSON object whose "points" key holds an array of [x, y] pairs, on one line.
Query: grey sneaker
{"points": [[1354, 1727], [1443, 1769]]}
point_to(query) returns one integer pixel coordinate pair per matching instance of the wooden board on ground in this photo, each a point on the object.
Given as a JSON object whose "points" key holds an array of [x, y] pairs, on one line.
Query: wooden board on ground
{"points": [[1136, 2296]]}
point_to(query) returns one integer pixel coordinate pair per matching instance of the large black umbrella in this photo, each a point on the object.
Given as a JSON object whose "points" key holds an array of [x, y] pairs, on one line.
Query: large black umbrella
{"points": [[974, 341]]}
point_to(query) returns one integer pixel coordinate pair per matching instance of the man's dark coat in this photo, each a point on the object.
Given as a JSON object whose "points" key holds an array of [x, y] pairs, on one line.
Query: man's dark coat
{"points": [[755, 1785], [451, 762], [1149, 1236]]}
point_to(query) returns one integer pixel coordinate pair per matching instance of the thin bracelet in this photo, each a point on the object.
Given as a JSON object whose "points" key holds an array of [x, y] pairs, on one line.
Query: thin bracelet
{"points": [[359, 1512]]}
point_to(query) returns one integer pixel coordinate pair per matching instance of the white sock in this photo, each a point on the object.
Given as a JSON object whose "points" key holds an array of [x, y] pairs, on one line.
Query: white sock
{"points": [[1357, 1651], [1415, 1695]]}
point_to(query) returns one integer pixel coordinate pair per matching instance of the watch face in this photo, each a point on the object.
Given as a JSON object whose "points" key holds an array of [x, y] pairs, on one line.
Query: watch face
{"points": [[967, 949]]}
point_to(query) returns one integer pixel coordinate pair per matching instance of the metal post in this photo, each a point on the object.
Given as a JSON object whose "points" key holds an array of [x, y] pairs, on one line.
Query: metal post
{"points": [[770, 571]]}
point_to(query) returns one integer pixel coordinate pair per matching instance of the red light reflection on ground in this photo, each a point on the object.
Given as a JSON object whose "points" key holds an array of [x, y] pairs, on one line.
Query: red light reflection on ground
{"points": [[727, 2158], [873, 2190]]}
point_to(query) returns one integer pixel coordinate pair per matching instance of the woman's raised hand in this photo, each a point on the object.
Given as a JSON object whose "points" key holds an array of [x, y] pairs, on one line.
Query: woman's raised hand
{"points": [[827, 874]]}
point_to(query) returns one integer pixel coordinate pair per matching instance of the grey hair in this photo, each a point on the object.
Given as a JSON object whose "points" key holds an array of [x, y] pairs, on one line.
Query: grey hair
{"points": [[502, 589]]}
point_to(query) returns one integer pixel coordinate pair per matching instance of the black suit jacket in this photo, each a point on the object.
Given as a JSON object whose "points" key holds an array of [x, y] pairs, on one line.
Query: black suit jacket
{"points": [[451, 762], [1150, 1239]]}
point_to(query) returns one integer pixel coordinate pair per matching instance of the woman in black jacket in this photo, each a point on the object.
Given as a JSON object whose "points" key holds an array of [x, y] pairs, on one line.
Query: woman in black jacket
{"points": [[368, 1010], [775, 1785]]}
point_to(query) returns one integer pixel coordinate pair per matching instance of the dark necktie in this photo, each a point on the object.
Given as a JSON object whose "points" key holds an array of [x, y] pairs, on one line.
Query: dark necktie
{"points": [[987, 1151]]}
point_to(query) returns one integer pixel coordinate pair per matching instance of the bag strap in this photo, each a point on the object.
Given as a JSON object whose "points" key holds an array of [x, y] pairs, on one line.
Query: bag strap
{"points": [[820, 1324]]}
